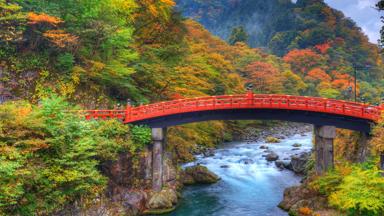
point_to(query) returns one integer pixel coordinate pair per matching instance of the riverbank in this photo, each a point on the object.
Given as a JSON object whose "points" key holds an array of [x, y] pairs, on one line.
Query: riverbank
{"points": [[249, 182], [242, 166]]}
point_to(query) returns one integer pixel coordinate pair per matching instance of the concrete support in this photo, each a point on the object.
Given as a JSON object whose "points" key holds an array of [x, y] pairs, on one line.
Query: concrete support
{"points": [[158, 139], [362, 148], [324, 136]]}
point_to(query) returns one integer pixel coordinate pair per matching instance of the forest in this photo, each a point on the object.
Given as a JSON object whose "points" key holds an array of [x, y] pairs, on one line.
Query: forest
{"points": [[61, 56]]}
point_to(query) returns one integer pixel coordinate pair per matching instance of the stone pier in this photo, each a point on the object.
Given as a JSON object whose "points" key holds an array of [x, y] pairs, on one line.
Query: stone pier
{"points": [[362, 148], [158, 140], [324, 137]]}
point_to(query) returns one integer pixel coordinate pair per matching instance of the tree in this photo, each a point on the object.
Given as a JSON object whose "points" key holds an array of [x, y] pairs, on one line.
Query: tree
{"points": [[302, 61], [265, 77], [238, 35], [12, 21], [293, 84], [50, 157], [318, 75], [380, 6], [360, 193]]}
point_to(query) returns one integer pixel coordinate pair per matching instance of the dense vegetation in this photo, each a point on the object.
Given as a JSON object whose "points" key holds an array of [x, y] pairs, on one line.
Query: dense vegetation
{"points": [[295, 31], [99, 53], [49, 155]]}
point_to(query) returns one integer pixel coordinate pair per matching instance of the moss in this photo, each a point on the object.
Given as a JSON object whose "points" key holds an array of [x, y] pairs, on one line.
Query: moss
{"points": [[272, 140], [158, 211]]}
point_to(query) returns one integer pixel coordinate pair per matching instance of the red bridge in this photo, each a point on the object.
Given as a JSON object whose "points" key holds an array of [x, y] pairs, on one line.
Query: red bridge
{"points": [[314, 110]]}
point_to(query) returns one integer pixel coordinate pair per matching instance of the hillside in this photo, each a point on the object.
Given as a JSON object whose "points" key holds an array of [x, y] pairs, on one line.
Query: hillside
{"points": [[61, 56], [281, 26]]}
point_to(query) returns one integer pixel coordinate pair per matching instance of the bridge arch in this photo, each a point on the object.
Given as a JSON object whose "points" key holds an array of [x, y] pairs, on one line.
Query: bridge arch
{"points": [[324, 114], [312, 110]]}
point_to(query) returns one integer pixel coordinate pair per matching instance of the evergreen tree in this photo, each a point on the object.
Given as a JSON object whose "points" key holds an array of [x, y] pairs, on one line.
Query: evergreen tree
{"points": [[238, 35], [380, 6]]}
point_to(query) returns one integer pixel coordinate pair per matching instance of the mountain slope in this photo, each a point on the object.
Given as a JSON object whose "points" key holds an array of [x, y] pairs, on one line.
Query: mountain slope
{"points": [[281, 26]]}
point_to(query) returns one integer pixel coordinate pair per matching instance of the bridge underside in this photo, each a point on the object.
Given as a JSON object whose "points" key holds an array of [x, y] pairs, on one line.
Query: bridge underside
{"points": [[315, 118]]}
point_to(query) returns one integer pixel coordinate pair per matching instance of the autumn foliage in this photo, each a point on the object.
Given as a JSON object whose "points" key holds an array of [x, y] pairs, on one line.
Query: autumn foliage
{"points": [[323, 48], [318, 75], [304, 60], [34, 19], [265, 77], [60, 38]]}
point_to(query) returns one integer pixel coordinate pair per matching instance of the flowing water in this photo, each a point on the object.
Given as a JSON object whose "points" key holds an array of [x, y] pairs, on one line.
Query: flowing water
{"points": [[249, 185]]}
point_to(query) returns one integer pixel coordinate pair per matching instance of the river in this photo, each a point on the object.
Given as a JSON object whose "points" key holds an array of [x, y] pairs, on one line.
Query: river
{"points": [[249, 185]]}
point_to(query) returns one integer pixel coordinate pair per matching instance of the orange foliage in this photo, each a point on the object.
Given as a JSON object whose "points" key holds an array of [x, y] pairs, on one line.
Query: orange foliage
{"points": [[305, 211], [34, 19], [343, 81], [265, 77], [303, 60], [323, 48], [318, 75], [176, 96], [338, 75], [60, 38], [341, 84]]}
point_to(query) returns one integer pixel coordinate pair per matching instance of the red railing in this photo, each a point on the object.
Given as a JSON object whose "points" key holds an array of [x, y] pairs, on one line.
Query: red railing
{"points": [[244, 101]]}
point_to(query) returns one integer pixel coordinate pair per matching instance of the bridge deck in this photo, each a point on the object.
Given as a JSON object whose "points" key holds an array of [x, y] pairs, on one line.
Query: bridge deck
{"points": [[244, 101]]}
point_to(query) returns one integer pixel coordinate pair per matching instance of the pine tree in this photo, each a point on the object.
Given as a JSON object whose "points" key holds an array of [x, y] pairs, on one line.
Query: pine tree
{"points": [[238, 35]]}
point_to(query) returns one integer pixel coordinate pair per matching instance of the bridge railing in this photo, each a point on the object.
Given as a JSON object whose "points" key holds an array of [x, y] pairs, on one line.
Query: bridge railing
{"points": [[244, 101]]}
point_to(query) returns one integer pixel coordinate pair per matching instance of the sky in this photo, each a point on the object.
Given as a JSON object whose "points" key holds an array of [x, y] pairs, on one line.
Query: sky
{"points": [[363, 13]]}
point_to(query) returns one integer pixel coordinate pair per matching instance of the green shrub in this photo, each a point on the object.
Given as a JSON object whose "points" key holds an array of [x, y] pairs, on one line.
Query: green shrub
{"points": [[360, 193], [65, 62], [49, 156], [141, 136], [357, 190]]}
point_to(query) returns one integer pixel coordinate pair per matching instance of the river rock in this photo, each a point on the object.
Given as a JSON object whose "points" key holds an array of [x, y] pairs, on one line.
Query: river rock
{"points": [[263, 147], [305, 197], [210, 152], [283, 164], [246, 161], [163, 201], [296, 145], [224, 166], [199, 175], [271, 139], [272, 156], [299, 162]]}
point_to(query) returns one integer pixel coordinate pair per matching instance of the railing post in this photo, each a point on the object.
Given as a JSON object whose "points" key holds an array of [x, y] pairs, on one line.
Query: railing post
{"points": [[127, 113], [249, 98]]}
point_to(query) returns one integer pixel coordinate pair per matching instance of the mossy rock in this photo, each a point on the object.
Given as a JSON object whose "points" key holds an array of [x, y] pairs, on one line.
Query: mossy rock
{"points": [[158, 211], [199, 175], [271, 139], [163, 201]]}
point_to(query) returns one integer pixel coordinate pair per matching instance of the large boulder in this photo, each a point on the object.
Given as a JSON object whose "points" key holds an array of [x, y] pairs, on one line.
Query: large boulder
{"points": [[199, 175], [161, 202], [283, 164], [302, 197], [299, 162]]}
